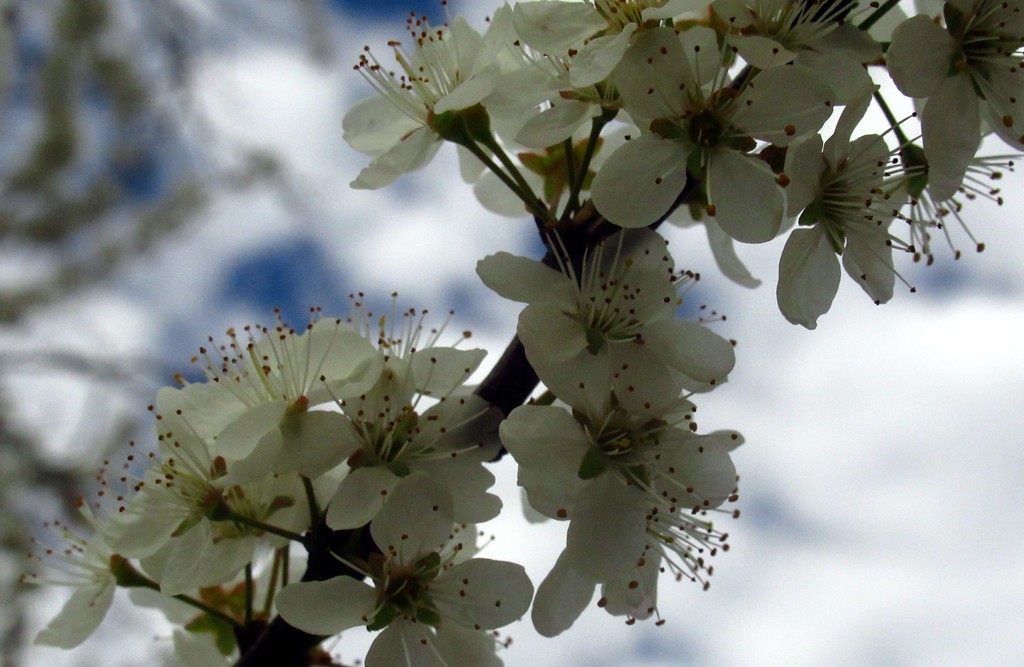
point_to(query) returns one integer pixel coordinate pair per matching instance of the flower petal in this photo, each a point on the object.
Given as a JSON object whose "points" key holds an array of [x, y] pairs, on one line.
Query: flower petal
{"points": [[808, 276], [482, 593], [326, 607]]}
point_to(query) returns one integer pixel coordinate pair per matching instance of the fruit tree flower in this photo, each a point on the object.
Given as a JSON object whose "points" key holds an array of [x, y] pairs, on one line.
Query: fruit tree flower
{"points": [[971, 65], [814, 35], [86, 565], [610, 323], [429, 595], [700, 124], [448, 70], [633, 484], [261, 386], [846, 211], [417, 417]]}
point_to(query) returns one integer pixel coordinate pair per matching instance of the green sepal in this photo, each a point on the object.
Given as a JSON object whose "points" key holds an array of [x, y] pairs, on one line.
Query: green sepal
{"points": [[223, 633], [127, 576], [188, 524], [383, 619], [811, 215], [594, 463], [668, 129], [464, 127], [428, 616], [956, 19], [838, 241], [913, 156], [428, 567]]}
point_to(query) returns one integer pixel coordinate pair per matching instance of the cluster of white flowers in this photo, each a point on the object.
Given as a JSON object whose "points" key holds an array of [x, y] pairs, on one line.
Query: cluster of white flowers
{"points": [[360, 440]]}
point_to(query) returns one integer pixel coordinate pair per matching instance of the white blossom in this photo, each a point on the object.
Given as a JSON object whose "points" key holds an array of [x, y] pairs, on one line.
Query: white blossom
{"points": [[634, 486], [610, 323], [431, 600], [970, 73], [65, 559], [702, 125], [837, 190]]}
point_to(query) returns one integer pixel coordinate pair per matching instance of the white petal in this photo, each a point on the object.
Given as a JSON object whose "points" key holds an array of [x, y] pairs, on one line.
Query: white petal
{"points": [[206, 408], [868, 260], [782, 104], [805, 168], [553, 27], [241, 436], [561, 598], [519, 278], [464, 646], [808, 277], [734, 12], [951, 127], [326, 607], [724, 251], [344, 359], [748, 202], [373, 125], [416, 519], [482, 593], [598, 57], [439, 371], [466, 94], [761, 52], [641, 180], [636, 593], [403, 644], [919, 56], [549, 445], [607, 507], [702, 463], [556, 123], [692, 349], [79, 616], [412, 152], [360, 497], [847, 78], [195, 560], [314, 442], [468, 482]]}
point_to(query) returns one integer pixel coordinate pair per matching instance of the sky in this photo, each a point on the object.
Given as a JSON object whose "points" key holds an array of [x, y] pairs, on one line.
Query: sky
{"points": [[882, 510]]}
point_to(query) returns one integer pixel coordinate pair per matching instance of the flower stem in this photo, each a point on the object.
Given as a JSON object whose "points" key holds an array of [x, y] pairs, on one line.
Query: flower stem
{"points": [[314, 507], [130, 577], [248, 594], [889, 116], [576, 184], [266, 527], [878, 14]]}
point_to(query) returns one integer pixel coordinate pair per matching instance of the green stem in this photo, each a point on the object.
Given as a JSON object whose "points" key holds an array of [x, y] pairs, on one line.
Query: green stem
{"points": [[248, 594], [275, 571], [526, 196], [570, 167], [128, 576], [878, 14], [517, 176], [588, 154], [889, 116], [266, 527], [216, 613], [314, 507]]}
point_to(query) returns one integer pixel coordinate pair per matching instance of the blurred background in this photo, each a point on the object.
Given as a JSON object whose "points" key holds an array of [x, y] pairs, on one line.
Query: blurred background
{"points": [[171, 169]]}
